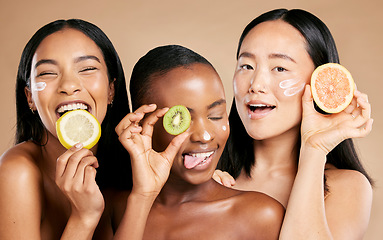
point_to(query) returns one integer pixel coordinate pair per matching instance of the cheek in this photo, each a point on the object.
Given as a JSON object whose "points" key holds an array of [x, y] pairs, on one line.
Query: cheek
{"points": [[223, 130], [38, 86], [240, 86], [292, 87]]}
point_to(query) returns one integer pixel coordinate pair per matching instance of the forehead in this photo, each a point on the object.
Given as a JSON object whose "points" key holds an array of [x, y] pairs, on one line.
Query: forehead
{"points": [[274, 36], [67, 42], [187, 86]]}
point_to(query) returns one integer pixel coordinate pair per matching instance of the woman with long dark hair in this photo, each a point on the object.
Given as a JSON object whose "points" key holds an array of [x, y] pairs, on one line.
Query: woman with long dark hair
{"points": [[280, 145], [48, 192]]}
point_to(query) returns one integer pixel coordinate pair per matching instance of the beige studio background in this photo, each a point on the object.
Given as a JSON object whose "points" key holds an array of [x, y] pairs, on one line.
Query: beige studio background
{"points": [[211, 28]]}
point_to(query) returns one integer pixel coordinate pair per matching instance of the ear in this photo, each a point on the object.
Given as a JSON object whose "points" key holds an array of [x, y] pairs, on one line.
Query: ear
{"points": [[31, 103], [111, 92]]}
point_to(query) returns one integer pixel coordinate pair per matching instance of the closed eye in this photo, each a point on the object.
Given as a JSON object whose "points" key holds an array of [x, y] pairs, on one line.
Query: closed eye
{"points": [[46, 74], [88, 69], [215, 118]]}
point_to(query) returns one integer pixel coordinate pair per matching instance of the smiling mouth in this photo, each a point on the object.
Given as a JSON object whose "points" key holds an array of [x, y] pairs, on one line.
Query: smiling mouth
{"points": [[191, 160], [260, 107], [70, 107]]}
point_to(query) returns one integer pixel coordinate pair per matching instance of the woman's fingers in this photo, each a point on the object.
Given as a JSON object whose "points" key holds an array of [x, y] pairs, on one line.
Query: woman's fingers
{"points": [[86, 162], [134, 118], [127, 121], [68, 161], [150, 121], [223, 178], [174, 146]]}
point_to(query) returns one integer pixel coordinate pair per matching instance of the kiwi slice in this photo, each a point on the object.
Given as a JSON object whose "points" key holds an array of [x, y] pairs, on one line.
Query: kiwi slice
{"points": [[177, 120]]}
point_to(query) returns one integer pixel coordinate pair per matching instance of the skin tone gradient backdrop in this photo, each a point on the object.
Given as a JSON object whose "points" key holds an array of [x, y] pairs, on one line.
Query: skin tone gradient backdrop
{"points": [[212, 28]]}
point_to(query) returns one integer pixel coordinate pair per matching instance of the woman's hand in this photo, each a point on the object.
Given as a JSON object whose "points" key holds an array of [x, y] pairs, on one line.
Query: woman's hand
{"points": [[223, 178], [150, 168], [325, 132], [75, 176]]}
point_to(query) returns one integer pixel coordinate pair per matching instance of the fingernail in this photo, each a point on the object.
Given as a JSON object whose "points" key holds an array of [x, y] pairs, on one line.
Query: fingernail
{"points": [[78, 145]]}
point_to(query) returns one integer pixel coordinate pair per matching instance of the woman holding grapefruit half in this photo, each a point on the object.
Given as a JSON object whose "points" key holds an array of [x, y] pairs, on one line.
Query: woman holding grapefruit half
{"points": [[280, 145], [47, 191]]}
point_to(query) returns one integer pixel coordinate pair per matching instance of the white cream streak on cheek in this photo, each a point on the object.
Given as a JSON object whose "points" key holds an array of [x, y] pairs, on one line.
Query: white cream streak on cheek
{"points": [[224, 128], [206, 136], [291, 86], [39, 86]]}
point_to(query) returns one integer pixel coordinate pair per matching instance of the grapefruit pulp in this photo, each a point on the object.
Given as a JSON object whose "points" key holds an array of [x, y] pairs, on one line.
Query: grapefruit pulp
{"points": [[332, 87]]}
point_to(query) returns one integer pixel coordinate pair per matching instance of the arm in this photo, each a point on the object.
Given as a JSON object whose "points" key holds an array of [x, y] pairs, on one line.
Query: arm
{"points": [[21, 198], [75, 176], [308, 216], [150, 169]]}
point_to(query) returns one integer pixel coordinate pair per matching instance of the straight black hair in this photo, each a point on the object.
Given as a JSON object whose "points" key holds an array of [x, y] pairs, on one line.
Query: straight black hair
{"points": [[239, 150], [29, 127], [157, 62]]}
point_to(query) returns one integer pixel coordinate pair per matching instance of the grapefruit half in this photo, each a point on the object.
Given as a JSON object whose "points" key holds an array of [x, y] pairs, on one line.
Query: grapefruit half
{"points": [[332, 87]]}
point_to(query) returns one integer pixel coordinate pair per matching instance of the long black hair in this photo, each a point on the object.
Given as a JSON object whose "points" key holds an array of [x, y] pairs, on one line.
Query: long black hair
{"points": [[239, 151], [29, 127], [158, 62]]}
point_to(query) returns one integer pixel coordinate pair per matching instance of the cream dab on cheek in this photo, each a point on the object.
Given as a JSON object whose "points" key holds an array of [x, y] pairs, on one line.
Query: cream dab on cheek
{"points": [[224, 128], [39, 86], [291, 86]]}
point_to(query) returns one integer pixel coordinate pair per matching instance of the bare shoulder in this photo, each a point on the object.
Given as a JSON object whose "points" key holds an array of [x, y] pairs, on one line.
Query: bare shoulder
{"points": [[21, 192], [348, 203], [19, 169], [261, 215], [349, 182], [20, 160]]}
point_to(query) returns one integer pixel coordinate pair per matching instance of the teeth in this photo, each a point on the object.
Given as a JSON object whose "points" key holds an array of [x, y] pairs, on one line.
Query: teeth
{"points": [[204, 155], [258, 105], [70, 107]]}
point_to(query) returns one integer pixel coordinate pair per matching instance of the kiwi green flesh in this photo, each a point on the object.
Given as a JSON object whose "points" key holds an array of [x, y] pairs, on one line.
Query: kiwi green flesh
{"points": [[177, 120]]}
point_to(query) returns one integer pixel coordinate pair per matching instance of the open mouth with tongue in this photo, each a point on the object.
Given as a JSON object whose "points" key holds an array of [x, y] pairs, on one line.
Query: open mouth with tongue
{"points": [[259, 110], [192, 160], [260, 107]]}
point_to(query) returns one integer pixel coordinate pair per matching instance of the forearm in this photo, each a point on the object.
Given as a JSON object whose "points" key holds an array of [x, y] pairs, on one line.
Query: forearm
{"points": [[305, 216], [133, 223]]}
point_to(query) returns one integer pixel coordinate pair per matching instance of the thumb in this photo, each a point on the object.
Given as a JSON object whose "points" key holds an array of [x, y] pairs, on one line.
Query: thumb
{"points": [[307, 98], [174, 146]]}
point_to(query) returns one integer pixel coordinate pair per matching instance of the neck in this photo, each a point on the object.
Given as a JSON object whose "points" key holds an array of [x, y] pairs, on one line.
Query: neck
{"points": [[177, 191], [277, 152]]}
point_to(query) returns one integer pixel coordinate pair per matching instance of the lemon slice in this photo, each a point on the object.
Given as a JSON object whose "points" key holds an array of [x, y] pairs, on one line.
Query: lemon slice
{"points": [[78, 126]]}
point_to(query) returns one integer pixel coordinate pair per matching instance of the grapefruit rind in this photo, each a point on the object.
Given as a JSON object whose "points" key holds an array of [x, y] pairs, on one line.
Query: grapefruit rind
{"points": [[78, 126], [332, 87]]}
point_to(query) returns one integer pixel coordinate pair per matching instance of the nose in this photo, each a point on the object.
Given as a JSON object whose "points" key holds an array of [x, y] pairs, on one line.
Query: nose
{"points": [[200, 132], [259, 82], [69, 84]]}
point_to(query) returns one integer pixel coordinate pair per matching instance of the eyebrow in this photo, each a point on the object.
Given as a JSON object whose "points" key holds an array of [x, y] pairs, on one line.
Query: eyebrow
{"points": [[273, 55], [45, 61], [86, 57], [247, 55], [282, 56], [214, 104]]}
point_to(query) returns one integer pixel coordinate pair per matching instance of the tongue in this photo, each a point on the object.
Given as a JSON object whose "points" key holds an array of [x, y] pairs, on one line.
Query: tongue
{"points": [[191, 162], [262, 109]]}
